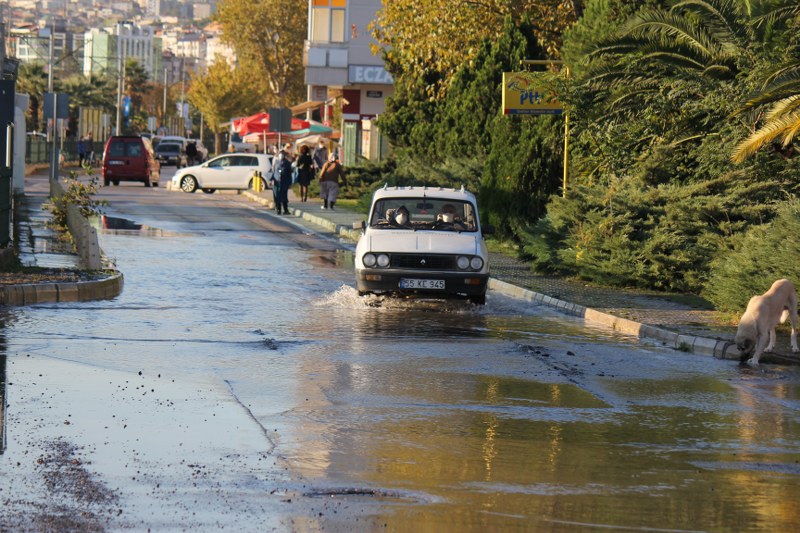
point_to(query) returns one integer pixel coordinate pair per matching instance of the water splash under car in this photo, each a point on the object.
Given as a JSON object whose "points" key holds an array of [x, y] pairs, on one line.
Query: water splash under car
{"points": [[424, 242]]}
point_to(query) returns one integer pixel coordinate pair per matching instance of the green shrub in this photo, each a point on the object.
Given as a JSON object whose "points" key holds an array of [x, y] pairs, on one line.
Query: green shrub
{"points": [[765, 253]]}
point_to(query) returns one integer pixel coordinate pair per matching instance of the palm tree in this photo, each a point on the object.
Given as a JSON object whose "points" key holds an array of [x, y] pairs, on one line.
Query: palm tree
{"points": [[780, 90], [32, 80], [702, 42], [782, 121]]}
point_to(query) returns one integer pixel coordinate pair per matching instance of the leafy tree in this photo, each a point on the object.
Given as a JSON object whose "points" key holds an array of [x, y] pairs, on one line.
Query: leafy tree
{"points": [[446, 35], [96, 91], [137, 87], [218, 94], [268, 37], [658, 198]]}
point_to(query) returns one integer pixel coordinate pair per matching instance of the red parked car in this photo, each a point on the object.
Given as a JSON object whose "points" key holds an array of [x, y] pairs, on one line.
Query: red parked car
{"points": [[130, 158]]}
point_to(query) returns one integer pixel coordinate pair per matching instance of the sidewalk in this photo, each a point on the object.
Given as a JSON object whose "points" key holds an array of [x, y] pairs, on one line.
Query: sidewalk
{"points": [[657, 317], [39, 246]]}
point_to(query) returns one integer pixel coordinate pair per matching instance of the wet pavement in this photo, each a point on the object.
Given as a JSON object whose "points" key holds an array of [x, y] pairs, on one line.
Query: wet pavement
{"points": [[240, 383], [683, 314]]}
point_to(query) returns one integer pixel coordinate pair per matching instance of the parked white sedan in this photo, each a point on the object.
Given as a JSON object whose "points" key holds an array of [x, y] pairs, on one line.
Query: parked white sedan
{"points": [[227, 171]]}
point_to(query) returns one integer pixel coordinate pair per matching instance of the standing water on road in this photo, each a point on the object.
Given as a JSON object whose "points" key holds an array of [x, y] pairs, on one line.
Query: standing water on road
{"points": [[240, 383]]}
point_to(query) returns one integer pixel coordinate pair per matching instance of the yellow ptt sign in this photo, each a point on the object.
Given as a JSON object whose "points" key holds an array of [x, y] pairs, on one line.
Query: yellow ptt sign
{"points": [[529, 93]]}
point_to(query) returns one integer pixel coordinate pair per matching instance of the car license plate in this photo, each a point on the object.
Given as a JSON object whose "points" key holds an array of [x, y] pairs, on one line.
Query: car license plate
{"points": [[112, 162], [407, 283]]}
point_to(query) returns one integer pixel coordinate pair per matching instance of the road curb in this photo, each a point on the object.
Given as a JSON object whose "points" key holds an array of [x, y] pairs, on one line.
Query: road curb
{"points": [[81, 291], [719, 349]]}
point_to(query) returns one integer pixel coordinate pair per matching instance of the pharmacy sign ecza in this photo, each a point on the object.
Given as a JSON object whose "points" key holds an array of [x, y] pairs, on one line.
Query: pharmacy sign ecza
{"points": [[529, 93]]}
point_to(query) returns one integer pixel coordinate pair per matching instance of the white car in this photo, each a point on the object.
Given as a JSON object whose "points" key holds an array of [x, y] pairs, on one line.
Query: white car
{"points": [[425, 242], [226, 171]]}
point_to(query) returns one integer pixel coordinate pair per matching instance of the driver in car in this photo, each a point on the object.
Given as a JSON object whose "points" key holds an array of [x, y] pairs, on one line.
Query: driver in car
{"points": [[449, 215]]}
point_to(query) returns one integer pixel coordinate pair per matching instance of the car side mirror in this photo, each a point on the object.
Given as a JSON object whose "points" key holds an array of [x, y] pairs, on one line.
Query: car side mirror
{"points": [[487, 229], [362, 225]]}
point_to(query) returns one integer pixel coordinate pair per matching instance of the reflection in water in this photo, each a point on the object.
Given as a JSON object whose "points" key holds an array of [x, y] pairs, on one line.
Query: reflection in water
{"points": [[2, 402], [122, 226], [3, 389], [492, 452]]}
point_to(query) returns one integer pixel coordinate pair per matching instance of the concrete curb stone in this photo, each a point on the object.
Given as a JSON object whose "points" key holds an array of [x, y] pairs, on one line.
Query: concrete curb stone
{"points": [[717, 348], [81, 291]]}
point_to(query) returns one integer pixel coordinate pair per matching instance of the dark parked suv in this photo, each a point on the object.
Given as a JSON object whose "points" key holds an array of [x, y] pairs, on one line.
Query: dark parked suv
{"points": [[172, 152], [130, 158]]}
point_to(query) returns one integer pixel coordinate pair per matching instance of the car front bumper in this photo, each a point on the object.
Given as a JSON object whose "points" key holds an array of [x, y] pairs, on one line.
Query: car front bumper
{"points": [[375, 280]]}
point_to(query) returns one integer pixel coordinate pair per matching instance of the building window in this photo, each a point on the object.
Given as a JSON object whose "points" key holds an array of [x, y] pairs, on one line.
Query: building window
{"points": [[327, 21]]}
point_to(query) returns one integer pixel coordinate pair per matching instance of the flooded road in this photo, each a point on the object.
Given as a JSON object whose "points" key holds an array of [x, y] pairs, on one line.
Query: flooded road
{"points": [[239, 383]]}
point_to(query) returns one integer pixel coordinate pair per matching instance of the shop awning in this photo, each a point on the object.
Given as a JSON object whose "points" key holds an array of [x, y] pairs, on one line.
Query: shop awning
{"points": [[305, 106]]}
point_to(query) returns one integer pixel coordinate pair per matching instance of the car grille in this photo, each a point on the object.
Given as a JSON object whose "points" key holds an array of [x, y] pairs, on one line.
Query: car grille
{"points": [[424, 261]]}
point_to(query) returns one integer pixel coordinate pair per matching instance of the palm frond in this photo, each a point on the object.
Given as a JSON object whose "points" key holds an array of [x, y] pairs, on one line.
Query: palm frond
{"points": [[776, 92], [676, 29], [786, 127], [720, 16], [787, 106], [785, 71], [788, 9]]}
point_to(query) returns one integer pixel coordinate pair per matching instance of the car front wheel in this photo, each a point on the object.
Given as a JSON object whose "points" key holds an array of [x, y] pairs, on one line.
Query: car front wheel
{"points": [[188, 184]]}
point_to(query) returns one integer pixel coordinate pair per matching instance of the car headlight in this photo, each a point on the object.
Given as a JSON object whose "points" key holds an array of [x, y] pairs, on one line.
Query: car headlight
{"points": [[462, 262], [369, 260], [383, 260], [476, 263]]}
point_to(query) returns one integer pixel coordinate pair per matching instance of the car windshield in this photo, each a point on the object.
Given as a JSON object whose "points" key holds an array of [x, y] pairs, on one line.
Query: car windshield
{"points": [[432, 214], [124, 149], [168, 147]]}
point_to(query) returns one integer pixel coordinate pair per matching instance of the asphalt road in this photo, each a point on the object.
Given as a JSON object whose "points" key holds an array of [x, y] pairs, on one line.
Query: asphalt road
{"points": [[239, 383]]}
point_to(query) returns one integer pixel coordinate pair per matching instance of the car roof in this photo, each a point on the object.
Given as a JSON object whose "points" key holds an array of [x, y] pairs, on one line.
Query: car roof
{"points": [[424, 191], [241, 154]]}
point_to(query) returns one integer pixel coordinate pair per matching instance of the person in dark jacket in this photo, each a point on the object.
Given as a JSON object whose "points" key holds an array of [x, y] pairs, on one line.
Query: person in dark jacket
{"points": [[329, 179], [282, 182], [305, 172], [191, 153]]}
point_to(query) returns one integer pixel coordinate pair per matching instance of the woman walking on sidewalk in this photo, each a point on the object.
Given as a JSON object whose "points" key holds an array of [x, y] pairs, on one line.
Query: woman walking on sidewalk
{"points": [[329, 177], [282, 182], [305, 172]]}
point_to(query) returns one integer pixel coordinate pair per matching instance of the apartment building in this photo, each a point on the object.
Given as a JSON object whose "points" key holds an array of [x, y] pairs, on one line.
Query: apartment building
{"points": [[339, 63], [104, 47]]}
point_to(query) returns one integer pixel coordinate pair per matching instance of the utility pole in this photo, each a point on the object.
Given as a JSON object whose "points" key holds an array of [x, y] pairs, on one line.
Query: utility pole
{"points": [[164, 109], [120, 81], [183, 118]]}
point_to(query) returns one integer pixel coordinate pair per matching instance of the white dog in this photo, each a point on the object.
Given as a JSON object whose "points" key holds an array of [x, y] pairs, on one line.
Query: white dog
{"points": [[756, 333]]}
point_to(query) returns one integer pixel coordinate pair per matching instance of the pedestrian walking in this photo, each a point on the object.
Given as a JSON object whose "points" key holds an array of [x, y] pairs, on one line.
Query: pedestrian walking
{"points": [[282, 182], [320, 155], [81, 150], [88, 148], [329, 177], [191, 153], [305, 172]]}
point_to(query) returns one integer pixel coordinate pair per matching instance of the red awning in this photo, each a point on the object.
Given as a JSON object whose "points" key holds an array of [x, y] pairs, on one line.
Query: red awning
{"points": [[259, 123]]}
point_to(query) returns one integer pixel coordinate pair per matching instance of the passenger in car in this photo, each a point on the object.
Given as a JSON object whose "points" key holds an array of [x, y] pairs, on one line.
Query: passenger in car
{"points": [[401, 217]]}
